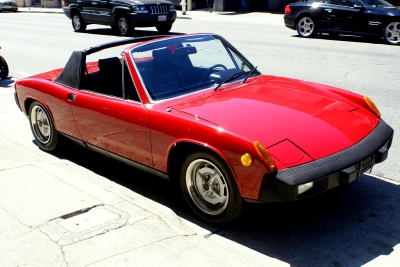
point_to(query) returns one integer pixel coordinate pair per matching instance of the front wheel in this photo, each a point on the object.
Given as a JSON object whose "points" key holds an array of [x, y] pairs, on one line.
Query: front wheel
{"points": [[42, 127], [306, 27], [209, 188], [78, 23], [163, 28], [123, 26], [392, 33], [3, 68]]}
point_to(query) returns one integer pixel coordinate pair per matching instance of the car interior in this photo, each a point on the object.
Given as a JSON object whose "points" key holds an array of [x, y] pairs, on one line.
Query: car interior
{"points": [[109, 80], [167, 74]]}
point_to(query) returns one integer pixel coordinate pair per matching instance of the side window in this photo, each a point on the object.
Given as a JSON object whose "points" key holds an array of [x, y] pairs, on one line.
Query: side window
{"points": [[129, 87]]}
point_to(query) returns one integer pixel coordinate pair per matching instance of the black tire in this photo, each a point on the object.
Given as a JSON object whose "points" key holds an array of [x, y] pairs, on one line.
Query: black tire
{"points": [[163, 28], [78, 23], [209, 188], [3, 68], [306, 27], [42, 127], [391, 33], [123, 26]]}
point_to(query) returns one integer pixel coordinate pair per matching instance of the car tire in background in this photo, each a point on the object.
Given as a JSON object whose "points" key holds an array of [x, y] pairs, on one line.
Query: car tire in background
{"points": [[210, 188], [42, 127], [123, 25], [306, 27], [391, 33], [163, 28], [3, 68], [78, 23]]}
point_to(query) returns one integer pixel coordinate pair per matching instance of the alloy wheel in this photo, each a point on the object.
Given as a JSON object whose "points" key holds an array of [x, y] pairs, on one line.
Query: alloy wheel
{"points": [[392, 33], [40, 124], [305, 27], [207, 187]]}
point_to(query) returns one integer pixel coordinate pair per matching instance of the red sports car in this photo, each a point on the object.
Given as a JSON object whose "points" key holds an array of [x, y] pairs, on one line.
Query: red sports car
{"points": [[194, 110]]}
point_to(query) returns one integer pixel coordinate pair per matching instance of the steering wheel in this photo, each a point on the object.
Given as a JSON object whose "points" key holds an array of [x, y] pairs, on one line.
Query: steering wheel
{"points": [[211, 70]]}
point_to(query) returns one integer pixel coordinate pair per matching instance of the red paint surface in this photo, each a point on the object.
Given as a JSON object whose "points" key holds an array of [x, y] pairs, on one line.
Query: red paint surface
{"points": [[298, 121]]}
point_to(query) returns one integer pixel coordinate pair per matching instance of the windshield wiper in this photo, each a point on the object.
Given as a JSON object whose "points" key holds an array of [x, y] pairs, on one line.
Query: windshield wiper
{"points": [[250, 73], [233, 76]]}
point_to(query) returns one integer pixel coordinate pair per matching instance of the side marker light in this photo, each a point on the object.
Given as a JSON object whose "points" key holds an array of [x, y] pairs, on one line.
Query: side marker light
{"points": [[246, 160]]}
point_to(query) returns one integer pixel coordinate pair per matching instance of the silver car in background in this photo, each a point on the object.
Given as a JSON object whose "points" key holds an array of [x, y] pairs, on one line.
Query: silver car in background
{"points": [[8, 5]]}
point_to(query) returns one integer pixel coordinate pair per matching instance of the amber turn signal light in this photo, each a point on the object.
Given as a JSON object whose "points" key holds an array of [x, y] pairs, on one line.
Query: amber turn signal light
{"points": [[246, 160], [372, 106], [265, 155]]}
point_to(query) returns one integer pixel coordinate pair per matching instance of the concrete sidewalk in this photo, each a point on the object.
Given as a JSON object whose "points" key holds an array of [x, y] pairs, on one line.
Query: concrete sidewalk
{"points": [[56, 213]]}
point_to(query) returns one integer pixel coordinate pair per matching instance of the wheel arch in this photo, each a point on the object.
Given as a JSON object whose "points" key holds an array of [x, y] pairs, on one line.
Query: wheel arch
{"points": [[74, 10], [180, 149], [118, 10], [28, 102]]}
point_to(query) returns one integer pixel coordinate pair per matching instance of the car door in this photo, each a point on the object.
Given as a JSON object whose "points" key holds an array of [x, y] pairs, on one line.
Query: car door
{"points": [[101, 11], [343, 16], [115, 124], [87, 10]]}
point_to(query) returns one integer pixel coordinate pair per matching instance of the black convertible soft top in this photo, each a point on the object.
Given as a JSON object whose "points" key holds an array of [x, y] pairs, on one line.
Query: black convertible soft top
{"points": [[74, 71]]}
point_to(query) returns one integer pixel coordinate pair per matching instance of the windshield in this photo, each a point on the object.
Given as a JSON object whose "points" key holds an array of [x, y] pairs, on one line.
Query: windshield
{"points": [[377, 3], [187, 64]]}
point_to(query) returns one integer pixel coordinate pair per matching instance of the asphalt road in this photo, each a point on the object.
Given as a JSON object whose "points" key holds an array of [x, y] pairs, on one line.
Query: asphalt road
{"points": [[348, 226]]}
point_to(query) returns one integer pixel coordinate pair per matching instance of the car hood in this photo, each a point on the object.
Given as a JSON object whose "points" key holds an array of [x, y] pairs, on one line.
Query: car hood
{"points": [[279, 110]]}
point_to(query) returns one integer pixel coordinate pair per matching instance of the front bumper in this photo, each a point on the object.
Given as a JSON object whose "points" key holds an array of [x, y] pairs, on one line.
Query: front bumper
{"points": [[9, 8], [329, 172], [151, 20]]}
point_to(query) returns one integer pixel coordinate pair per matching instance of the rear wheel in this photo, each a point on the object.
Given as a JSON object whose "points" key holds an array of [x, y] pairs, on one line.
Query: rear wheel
{"points": [[42, 127], [3, 68], [78, 23], [392, 33], [123, 26], [209, 188], [163, 28], [306, 27]]}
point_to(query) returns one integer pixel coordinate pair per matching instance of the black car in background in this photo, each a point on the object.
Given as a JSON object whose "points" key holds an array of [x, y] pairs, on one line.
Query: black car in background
{"points": [[122, 15], [352, 17]]}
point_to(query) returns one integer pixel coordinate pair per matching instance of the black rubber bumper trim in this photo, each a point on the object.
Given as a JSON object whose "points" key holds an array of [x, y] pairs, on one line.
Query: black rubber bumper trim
{"points": [[16, 100], [323, 167]]}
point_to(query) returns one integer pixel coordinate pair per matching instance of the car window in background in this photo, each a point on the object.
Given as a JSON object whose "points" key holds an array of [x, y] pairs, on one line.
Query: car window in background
{"points": [[378, 3]]}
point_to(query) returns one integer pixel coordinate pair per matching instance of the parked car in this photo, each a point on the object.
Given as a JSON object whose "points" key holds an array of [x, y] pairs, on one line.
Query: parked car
{"points": [[353, 17], [194, 110], [3, 68], [122, 15], [8, 5]]}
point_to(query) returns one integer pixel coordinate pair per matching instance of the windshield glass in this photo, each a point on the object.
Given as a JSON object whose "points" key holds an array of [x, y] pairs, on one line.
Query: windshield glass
{"points": [[187, 64], [377, 3]]}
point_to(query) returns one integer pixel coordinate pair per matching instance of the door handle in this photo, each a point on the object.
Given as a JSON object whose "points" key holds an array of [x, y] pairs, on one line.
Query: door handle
{"points": [[94, 3], [71, 97], [328, 9]]}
